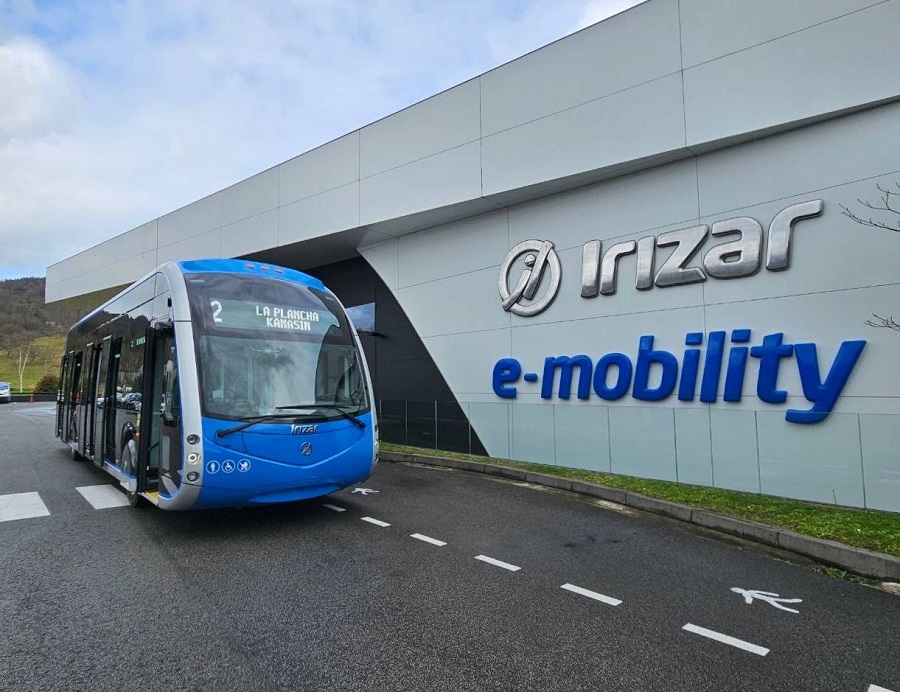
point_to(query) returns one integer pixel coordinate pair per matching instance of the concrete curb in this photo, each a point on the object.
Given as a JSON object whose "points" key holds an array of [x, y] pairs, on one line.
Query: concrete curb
{"points": [[26, 398], [857, 560]]}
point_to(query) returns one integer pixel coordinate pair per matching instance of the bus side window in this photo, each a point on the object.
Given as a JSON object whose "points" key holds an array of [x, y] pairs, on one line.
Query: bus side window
{"points": [[64, 378], [131, 373]]}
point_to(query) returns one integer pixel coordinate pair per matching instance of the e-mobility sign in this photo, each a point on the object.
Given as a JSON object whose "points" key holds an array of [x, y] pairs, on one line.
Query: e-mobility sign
{"points": [[613, 375]]}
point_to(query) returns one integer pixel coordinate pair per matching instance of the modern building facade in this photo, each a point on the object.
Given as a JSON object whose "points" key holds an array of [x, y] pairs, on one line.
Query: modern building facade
{"points": [[632, 250]]}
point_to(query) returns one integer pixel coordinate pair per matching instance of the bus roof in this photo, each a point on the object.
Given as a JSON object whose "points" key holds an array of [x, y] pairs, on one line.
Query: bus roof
{"points": [[233, 266]]}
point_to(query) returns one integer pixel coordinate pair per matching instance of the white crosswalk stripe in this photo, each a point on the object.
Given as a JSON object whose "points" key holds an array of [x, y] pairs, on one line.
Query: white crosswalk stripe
{"points": [[103, 496], [22, 506]]}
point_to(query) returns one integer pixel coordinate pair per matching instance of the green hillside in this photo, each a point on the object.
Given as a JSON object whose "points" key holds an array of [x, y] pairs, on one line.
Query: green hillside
{"points": [[25, 320], [47, 351]]}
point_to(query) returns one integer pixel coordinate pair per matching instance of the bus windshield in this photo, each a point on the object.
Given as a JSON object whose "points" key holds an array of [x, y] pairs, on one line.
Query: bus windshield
{"points": [[270, 347]]}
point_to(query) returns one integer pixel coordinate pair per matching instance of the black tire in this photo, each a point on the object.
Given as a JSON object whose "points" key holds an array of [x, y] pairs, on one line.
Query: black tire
{"points": [[134, 499], [129, 452]]}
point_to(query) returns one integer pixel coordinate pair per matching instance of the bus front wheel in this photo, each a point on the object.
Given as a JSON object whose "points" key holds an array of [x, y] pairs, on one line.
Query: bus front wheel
{"points": [[134, 498], [129, 466]]}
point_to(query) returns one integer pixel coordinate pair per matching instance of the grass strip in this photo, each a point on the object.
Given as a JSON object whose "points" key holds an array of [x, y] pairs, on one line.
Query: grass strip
{"points": [[870, 529]]}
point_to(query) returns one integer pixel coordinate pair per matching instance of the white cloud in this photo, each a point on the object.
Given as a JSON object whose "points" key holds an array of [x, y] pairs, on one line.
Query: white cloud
{"points": [[37, 94], [125, 111]]}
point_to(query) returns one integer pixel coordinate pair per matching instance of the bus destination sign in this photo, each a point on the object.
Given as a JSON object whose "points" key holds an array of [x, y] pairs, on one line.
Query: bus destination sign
{"points": [[236, 314]]}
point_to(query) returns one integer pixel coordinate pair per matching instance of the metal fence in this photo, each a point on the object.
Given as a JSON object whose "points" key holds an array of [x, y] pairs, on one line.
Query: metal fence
{"points": [[427, 424]]}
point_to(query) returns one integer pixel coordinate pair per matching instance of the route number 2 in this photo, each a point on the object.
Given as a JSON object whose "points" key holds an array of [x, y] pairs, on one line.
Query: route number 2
{"points": [[217, 310]]}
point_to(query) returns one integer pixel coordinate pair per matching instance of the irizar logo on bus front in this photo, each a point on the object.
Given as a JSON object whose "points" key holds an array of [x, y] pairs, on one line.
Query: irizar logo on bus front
{"points": [[614, 374]]}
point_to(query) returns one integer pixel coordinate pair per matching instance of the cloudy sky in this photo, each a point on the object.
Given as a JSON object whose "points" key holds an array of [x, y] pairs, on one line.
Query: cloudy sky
{"points": [[114, 112]]}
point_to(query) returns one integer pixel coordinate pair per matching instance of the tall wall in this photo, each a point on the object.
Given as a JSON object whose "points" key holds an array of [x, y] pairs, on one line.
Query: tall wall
{"points": [[446, 279]]}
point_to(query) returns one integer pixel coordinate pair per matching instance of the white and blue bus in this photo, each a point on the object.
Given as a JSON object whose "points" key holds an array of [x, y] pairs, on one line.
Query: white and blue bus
{"points": [[220, 383]]}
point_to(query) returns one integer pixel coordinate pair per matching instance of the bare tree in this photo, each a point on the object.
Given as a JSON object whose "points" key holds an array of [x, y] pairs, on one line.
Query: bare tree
{"points": [[890, 203], [20, 347], [25, 351]]}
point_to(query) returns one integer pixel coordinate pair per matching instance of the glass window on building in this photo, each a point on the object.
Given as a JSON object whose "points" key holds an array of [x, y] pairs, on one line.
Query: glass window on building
{"points": [[363, 317]]}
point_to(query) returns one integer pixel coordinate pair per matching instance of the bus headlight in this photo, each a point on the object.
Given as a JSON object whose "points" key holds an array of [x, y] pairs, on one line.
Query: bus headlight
{"points": [[193, 458], [193, 476]]}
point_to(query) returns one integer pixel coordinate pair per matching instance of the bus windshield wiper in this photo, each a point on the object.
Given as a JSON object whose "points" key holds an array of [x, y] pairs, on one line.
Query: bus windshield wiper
{"points": [[349, 416], [247, 422]]}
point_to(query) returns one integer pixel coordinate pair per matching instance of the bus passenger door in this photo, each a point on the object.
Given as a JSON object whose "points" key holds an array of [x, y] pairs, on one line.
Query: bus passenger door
{"points": [[89, 400], [99, 402], [72, 395], [161, 418], [109, 432], [170, 451], [62, 387]]}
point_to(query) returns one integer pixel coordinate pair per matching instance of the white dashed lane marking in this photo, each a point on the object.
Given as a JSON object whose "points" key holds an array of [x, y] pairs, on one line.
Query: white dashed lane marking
{"points": [[725, 639], [103, 496], [28, 505], [22, 506], [591, 594], [377, 522], [427, 539], [497, 563]]}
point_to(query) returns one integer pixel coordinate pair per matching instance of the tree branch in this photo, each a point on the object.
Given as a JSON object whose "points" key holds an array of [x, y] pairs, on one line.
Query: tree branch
{"points": [[885, 198], [870, 221], [883, 322]]}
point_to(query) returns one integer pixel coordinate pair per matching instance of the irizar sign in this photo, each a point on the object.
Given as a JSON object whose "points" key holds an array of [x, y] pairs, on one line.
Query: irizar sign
{"points": [[614, 374], [733, 259]]}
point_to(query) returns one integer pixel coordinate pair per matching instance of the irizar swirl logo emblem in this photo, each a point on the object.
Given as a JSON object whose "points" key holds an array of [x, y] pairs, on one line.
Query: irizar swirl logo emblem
{"points": [[539, 255], [306, 449]]}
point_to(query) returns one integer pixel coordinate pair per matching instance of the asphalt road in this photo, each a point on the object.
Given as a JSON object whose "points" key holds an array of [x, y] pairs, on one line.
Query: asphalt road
{"points": [[307, 597]]}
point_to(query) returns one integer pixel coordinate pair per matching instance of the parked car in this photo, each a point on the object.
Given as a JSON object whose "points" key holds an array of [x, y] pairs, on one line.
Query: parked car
{"points": [[5, 392], [132, 401]]}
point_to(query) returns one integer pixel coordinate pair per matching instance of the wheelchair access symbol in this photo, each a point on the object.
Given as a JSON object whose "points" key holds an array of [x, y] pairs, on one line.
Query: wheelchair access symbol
{"points": [[539, 255]]}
